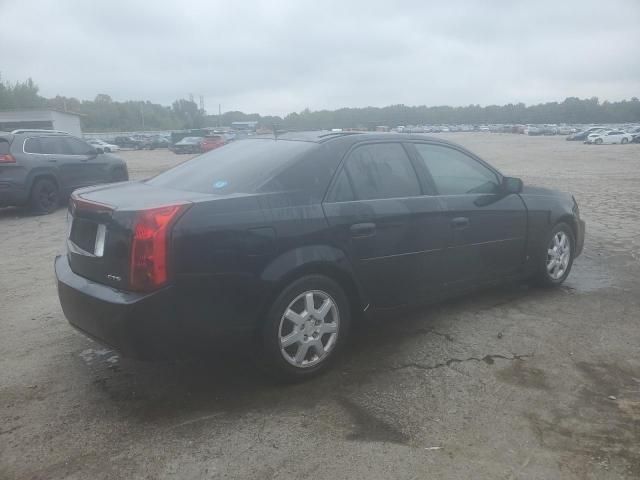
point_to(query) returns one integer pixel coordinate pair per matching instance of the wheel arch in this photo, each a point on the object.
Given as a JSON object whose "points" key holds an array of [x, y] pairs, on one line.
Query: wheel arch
{"points": [[36, 175], [570, 220], [323, 260]]}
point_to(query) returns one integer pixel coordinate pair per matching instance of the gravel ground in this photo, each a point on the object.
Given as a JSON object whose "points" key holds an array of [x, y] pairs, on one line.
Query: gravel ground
{"points": [[512, 382]]}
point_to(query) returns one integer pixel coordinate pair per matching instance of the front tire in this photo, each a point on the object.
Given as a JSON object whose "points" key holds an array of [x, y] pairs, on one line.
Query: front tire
{"points": [[624, 140], [557, 259], [305, 329], [598, 141], [44, 197]]}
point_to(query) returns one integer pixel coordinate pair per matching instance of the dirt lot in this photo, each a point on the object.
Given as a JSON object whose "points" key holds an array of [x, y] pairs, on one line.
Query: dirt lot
{"points": [[513, 382]]}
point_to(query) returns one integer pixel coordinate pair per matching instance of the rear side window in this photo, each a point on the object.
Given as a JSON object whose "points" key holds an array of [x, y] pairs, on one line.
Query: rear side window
{"points": [[53, 146], [246, 166], [32, 145], [381, 170], [342, 191]]}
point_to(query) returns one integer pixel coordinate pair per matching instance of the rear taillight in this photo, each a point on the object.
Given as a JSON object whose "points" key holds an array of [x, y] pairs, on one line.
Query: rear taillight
{"points": [[150, 246], [7, 158]]}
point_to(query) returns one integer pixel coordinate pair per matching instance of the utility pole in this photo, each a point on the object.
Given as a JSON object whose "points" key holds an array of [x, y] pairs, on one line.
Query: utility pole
{"points": [[219, 114], [142, 114]]}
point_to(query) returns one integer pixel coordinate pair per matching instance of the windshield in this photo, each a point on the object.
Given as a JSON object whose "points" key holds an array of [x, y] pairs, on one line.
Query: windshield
{"points": [[240, 167]]}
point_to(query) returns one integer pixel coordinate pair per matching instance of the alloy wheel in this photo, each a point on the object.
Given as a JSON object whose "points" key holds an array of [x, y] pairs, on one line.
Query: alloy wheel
{"points": [[309, 329], [558, 255]]}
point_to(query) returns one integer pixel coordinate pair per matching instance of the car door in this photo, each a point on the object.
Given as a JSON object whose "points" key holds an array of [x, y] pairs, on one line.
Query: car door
{"points": [[390, 228], [55, 153], [486, 228], [90, 167]]}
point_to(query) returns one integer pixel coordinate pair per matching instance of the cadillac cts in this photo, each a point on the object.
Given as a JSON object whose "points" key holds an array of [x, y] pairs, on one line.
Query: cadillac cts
{"points": [[286, 239]]}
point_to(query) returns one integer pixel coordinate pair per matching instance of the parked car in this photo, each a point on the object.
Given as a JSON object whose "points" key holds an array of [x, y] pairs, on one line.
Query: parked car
{"points": [[635, 134], [102, 147], [211, 142], [609, 137], [155, 141], [188, 145], [533, 130], [40, 168], [288, 239], [128, 142], [582, 135]]}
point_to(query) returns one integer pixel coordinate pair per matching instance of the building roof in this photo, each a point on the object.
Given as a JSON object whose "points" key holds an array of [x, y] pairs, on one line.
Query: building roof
{"points": [[38, 110]]}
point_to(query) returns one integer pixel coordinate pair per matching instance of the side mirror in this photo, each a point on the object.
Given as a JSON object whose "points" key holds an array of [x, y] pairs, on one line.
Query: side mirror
{"points": [[511, 185]]}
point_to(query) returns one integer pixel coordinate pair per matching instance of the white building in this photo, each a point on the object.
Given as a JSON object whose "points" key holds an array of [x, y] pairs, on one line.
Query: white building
{"points": [[41, 119]]}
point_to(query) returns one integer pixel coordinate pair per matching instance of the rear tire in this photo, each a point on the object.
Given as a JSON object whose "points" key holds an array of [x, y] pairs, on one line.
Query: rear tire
{"points": [[118, 175], [557, 258], [305, 329], [624, 140], [44, 197]]}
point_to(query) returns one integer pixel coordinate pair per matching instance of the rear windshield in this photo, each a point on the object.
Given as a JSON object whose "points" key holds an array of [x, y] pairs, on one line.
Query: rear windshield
{"points": [[238, 167], [4, 146]]}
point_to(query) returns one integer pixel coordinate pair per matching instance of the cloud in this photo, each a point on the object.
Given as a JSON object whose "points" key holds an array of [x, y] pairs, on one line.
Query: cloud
{"points": [[278, 56]]}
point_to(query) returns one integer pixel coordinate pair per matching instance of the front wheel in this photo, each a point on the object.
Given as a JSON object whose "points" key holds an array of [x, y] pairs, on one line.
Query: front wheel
{"points": [[557, 261], [305, 328], [624, 140], [598, 141]]}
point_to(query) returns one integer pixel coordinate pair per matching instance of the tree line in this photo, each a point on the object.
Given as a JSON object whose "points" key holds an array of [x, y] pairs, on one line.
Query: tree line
{"points": [[103, 114]]}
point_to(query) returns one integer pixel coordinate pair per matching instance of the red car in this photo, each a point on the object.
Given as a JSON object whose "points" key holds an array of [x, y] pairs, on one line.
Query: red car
{"points": [[214, 141]]}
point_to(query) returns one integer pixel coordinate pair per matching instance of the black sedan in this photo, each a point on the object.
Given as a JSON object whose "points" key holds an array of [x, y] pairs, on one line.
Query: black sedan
{"points": [[287, 239], [187, 145]]}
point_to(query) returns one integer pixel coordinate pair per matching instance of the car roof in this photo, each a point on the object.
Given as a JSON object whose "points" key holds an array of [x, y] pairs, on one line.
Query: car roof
{"points": [[325, 136]]}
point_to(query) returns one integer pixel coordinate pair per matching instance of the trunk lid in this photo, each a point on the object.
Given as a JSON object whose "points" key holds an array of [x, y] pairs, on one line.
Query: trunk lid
{"points": [[101, 221]]}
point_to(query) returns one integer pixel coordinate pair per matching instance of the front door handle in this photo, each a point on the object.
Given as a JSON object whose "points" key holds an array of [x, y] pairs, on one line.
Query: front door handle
{"points": [[363, 229], [460, 223]]}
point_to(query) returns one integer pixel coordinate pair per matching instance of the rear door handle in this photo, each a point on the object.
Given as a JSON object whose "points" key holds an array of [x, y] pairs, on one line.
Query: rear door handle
{"points": [[363, 229], [460, 223]]}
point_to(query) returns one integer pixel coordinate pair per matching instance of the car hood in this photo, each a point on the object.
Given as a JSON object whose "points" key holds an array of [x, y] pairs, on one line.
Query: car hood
{"points": [[548, 192]]}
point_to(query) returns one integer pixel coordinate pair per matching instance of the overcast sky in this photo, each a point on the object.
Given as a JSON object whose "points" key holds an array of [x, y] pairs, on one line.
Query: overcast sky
{"points": [[274, 57]]}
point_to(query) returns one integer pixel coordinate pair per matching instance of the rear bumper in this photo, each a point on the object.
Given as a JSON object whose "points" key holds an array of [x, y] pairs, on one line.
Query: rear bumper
{"points": [[137, 325], [12, 194]]}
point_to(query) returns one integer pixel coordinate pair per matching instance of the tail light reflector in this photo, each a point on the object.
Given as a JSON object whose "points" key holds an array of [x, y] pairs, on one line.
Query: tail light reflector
{"points": [[150, 246], [7, 158]]}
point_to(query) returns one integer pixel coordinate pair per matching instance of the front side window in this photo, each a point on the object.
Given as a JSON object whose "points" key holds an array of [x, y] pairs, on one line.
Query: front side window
{"points": [[455, 173], [382, 170], [77, 147]]}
